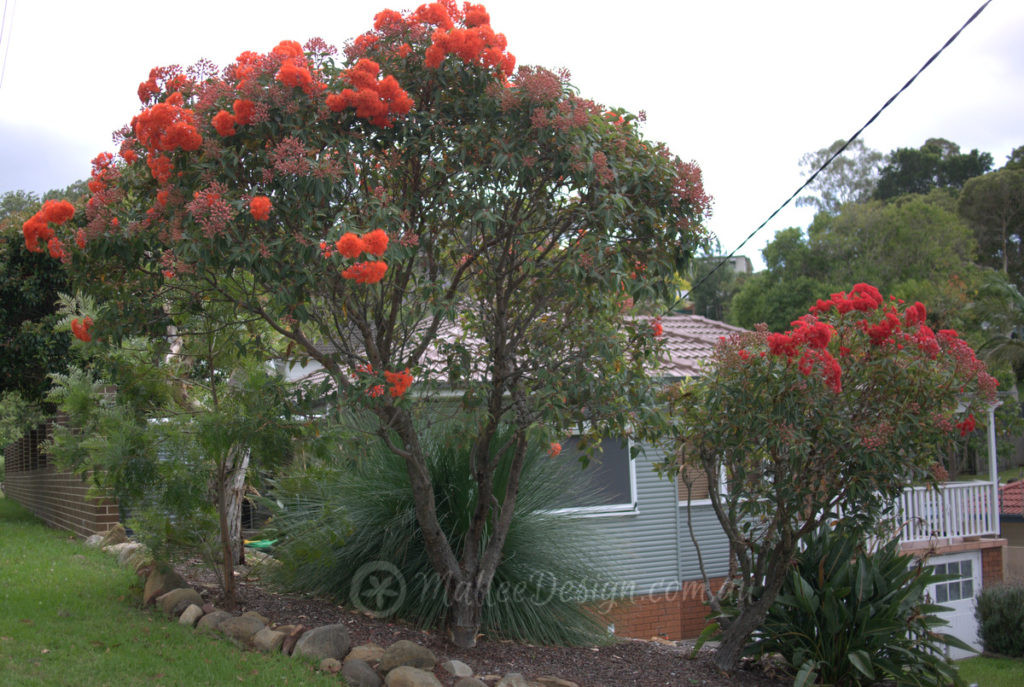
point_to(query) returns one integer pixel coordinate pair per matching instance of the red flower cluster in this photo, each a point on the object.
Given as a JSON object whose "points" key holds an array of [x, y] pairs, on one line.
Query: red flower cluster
{"points": [[554, 449], [224, 122], [81, 329], [366, 272], [172, 78], [167, 126], [399, 381], [967, 425], [915, 314], [656, 327], [477, 43], [809, 339], [352, 246], [259, 207], [103, 172], [294, 69], [863, 297], [37, 227], [376, 101]]}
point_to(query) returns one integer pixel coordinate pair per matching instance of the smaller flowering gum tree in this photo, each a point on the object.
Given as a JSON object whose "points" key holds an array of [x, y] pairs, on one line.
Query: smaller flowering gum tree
{"points": [[826, 422], [421, 216]]}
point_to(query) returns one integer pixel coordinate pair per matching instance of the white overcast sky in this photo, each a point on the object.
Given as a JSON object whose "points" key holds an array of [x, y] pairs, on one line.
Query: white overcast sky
{"points": [[742, 87]]}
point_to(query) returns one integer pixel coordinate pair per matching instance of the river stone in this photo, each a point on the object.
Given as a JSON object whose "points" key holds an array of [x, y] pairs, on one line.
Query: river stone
{"points": [[212, 621], [139, 559], [329, 641], [370, 653], [330, 665], [407, 676], [470, 682], [127, 551], [512, 680], [115, 535], [242, 628], [116, 549], [161, 580], [549, 681], [176, 601], [93, 541], [358, 673], [406, 653], [190, 616], [457, 668], [268, 640], [258, 616]]}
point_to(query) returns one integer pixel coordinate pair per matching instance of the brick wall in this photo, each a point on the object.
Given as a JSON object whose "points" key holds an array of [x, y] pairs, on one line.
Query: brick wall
{"points": [[672, 615], [57, 497], [992, 566]]}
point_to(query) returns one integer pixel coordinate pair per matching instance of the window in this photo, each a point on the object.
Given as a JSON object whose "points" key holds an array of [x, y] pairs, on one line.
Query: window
{"points": [[698, 480], [960, 588], [608, 483]]}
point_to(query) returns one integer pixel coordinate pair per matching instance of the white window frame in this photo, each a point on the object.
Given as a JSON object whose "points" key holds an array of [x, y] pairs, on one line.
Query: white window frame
{"points": [[611, 509]]}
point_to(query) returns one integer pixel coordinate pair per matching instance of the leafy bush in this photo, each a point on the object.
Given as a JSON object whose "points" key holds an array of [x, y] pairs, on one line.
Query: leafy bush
{"points": [[335, 521], [1000, 614], [846, 617]]}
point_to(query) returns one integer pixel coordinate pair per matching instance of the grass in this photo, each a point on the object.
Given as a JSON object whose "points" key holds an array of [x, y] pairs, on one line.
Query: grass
{"points": [[1004, 475], [992, 672], [70, 616]]}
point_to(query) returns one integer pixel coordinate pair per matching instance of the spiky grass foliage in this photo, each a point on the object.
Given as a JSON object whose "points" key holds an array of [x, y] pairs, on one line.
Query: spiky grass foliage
{"points": [[336, 522]]}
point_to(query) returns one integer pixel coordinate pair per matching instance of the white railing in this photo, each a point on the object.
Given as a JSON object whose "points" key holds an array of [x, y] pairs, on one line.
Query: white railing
{"points": [[954, 510]]}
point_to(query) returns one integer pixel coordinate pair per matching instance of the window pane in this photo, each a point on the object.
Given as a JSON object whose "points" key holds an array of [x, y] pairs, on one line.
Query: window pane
{"points": [[967, 589], [941, 595], [606, 479], [939, 569], [965, 569], [954, 568]]}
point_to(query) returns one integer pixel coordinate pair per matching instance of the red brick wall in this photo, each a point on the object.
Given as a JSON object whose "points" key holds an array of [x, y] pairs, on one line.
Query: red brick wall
{"points": [[59, 498], [991, 566], [668, 615]]}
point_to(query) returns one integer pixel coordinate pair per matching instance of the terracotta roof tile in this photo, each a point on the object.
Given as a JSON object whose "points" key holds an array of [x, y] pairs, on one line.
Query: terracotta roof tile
{"points": [[1011, 499]]}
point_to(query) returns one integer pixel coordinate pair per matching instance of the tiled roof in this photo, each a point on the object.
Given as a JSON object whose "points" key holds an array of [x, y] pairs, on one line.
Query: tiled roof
{"points": [[689, 340], [1011, 499]]}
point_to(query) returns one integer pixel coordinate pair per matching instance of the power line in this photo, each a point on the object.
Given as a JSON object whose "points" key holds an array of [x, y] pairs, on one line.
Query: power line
{"points": [[3, 25], [836, 154]]}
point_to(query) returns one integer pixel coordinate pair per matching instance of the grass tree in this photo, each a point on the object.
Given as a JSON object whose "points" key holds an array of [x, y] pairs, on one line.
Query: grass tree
{"points": [[824, 423], [417, 210]]}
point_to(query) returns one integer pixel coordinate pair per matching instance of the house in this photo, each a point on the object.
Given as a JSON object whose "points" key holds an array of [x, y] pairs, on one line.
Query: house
{"points": [[1011, 522]]}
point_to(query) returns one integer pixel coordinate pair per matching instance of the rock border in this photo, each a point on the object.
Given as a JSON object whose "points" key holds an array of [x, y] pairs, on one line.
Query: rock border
{"points": [[402, 664]]}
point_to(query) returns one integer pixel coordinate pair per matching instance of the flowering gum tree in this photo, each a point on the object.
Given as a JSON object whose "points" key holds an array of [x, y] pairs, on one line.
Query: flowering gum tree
{"points": [[420, 215], [827, 421]]}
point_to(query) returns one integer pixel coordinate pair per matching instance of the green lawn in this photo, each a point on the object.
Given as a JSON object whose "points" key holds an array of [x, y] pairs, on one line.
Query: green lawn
{"points": [[69, 616], [992, 672]]}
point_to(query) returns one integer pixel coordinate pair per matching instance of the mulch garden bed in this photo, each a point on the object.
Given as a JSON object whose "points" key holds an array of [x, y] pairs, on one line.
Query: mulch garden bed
{"points": [[629, 663]]}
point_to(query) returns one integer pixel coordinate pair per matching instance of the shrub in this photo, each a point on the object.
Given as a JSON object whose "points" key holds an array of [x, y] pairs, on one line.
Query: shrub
{"points": [[1000, 614], [847, 617], [334, 521]]}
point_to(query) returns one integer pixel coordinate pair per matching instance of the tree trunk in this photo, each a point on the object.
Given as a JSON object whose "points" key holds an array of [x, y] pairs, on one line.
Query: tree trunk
{"points": [[465, 612], [737, 633], [230, 489]]}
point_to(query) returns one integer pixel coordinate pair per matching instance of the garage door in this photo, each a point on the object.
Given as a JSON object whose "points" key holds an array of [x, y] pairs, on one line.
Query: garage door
{"points": [[958, 594]]}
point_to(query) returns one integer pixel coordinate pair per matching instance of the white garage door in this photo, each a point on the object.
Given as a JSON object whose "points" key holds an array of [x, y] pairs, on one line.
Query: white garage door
{"points": [[958, 594]]}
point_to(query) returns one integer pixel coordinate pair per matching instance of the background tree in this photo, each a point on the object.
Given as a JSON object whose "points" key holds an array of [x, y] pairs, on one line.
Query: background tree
{"points": [[714, 285], [850, 178], [423, 213], [993, 204], [936, 164], [850, 406]]}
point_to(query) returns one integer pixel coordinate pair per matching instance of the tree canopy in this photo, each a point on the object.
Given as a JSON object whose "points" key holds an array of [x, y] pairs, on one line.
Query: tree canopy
{"points": [[936, 164], [418, 211]]}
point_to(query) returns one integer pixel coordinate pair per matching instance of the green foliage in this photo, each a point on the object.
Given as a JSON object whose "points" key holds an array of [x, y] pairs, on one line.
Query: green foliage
{"points": [[850, 178], [936, 164], [848, 617], [70, 617], [29, 284], [1000, 614], [336, 520], [993, 204]]}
